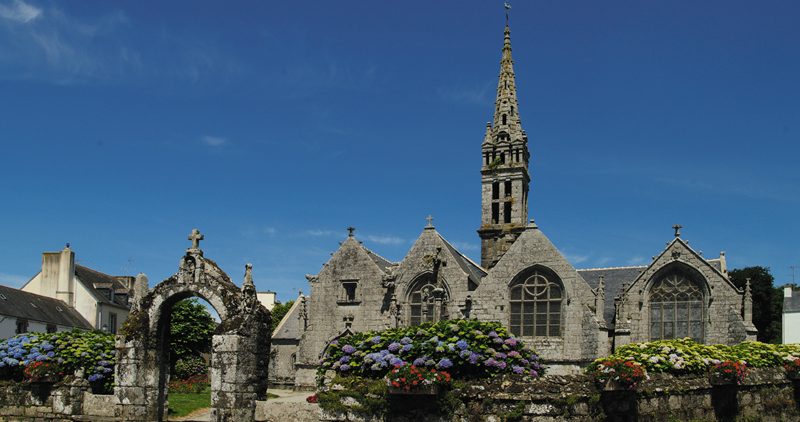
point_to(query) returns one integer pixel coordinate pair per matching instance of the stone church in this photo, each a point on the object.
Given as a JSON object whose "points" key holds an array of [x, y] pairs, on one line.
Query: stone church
{"points": [[570, 316]]}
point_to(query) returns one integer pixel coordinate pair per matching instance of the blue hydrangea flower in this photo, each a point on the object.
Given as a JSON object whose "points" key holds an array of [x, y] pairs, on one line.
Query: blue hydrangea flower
{"points": [[462, 344], [376, 339], [473, 358], [396, 362], [407, 347], [419, 361], [348, 349], [395, 346], [344, 359], [465, 354], [405, 340], [344, 368], [444, 363], [490, 362], [492, 334], [517, 369], [95, 377]]}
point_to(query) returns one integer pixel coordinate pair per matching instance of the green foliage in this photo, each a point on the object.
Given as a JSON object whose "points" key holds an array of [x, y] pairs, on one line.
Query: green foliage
{"points": [[685, 356], [92, 351], [354, 394], [191, 329], [190, 366], [767, 301], [465, 348], [278, 312]]}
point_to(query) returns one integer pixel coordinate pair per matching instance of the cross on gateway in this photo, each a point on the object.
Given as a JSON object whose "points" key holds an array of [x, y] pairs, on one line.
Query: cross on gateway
{"points": [[196, 237]]}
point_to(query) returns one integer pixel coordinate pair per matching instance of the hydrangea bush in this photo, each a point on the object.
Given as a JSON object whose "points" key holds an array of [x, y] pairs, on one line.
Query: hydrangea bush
{"points": [[685, 356], [92, 351], [465, 348]]}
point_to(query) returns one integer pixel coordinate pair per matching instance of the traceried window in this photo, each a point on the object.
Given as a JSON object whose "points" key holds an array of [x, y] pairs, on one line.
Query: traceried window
{"points": [[676, 308], [536, 306], [422, 303]]}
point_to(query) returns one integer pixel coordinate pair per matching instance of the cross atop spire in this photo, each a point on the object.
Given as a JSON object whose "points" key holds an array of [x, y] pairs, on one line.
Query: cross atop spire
{"points": [[350, 231], [429, 218], [677, 229]]}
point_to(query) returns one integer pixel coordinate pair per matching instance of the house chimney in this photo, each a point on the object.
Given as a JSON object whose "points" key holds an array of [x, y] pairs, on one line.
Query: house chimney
{"points": [[58, 275], [787, 290]]}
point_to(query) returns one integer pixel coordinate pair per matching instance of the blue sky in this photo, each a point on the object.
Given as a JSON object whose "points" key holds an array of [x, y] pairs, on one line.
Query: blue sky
{"points": [[272, 126]]}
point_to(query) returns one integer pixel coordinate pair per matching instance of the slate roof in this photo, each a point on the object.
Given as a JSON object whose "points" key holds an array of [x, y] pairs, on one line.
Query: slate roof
{"points": [[33, 307], [475, 272], [90, 277], [289, 327], [614, 278], [792, 304], [380, 261]]}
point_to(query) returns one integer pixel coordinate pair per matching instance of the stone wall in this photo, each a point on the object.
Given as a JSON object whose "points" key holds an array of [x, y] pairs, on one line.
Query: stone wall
{"points": [[766, 395]]}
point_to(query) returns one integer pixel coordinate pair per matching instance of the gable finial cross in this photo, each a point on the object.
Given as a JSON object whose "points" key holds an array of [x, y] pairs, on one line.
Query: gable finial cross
{"points": [[677, 229], [429, 218], [350, 231], [196, 237]]}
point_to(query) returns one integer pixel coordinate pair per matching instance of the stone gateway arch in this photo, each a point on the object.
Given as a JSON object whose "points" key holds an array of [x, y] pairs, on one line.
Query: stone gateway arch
{"points": [[240, 346]]}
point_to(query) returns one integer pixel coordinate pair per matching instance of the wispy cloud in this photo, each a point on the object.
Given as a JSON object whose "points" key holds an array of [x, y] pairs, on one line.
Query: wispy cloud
{"points": [[576, 259], [214, 141], [749, 189], [320, 232], [467, 95], [637, 260], [13, 280], [385, 240], [259, 231], [19, 11], [465, 246]]}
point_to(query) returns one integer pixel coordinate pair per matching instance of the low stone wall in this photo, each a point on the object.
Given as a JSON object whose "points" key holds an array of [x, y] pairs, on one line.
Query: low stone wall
{"points": [[766, 395], [52, 402]]}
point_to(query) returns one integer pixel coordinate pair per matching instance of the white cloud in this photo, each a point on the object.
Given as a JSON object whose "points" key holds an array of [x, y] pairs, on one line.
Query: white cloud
{"points": [[319, 232], [577, 259], [214, 141], [19, 11], [464, 246], [636, 260], [385, 240], [13, 280]]}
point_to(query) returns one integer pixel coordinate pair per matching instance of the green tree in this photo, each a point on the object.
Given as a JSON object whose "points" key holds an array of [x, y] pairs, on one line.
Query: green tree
{"points": [[279, 311], [767, 301], [191, 329]]}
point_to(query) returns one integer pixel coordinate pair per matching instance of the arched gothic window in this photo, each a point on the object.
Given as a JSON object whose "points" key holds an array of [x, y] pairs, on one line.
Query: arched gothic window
{"points": [[536, 306], [676, 308], [422, 300]]}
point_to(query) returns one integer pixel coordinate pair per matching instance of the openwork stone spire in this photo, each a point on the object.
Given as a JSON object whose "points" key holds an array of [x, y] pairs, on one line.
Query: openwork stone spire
{"points": [[504, 174]]}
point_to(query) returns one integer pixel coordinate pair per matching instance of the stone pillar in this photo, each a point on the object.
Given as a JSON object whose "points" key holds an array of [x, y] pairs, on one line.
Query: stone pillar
{"points": [[234, 378], [130, 386]]}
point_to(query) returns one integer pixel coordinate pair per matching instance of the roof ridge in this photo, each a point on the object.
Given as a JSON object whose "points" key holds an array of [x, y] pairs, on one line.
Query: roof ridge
{"points": [[459, 253], [612, 268]]}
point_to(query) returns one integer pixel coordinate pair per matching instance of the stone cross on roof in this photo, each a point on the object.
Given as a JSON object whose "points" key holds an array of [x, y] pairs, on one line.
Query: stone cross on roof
{"points": [[677, 229], [429, 218], [196, 237], [350, 231]]}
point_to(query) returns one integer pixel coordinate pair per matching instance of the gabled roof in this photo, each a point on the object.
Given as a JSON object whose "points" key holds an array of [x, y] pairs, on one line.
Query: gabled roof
{"points": [[89, 277], [22, 304], [289, 327], [380, 261], [613, 279], [475, 271]]}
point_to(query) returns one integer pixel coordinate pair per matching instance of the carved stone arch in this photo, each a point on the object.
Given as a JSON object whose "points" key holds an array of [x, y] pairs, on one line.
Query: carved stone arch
{"points": [[676, 301], [240, 345], [424, 303], [537, 296]]}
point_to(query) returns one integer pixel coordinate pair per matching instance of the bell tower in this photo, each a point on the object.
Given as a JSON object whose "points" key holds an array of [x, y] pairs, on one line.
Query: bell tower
{"points": [[504, 171]]}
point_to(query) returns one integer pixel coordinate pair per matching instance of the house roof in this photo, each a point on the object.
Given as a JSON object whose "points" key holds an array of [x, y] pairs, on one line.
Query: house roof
{"points": [[380, 261], [475, 272], [289, 326], [89, 277], [22, 304], [792, 304]]}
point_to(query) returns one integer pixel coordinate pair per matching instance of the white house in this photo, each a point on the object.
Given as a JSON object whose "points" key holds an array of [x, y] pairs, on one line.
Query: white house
{"points": [[23, 312], [100, 298], [791, 314]]}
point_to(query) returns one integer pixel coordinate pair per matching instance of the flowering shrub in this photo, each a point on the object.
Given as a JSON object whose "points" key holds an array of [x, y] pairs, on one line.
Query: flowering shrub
{"points": [[195, 384], [409, 377], [625, 372], [465, 348], [43, 371], [685, 356], [728, 372], [312, 399], [792, 366], [190, 366], [92, 351]]}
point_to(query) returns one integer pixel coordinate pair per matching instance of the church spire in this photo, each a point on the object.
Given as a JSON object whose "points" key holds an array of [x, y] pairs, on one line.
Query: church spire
{"points": [[504, 174]]}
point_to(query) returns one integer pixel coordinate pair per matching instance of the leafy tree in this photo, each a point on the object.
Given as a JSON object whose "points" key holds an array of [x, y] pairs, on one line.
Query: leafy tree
{"points": [[767, 301], [279, 311], [191, 329]]}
